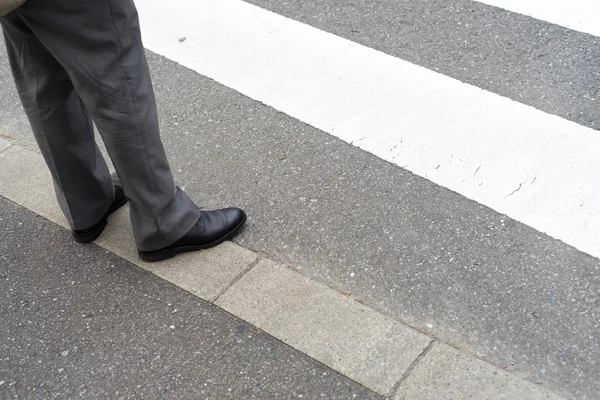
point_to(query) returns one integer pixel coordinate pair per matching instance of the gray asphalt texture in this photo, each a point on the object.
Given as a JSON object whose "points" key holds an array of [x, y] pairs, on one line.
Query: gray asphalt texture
{"points": [[420, 253], [79, 322]]}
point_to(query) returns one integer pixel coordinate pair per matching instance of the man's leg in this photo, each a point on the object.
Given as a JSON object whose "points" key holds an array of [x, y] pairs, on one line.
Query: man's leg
{"points": [[61, 125], [99, 45]]}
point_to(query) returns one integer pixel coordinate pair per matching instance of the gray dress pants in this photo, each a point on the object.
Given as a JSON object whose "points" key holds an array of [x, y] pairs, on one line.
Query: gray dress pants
{"points": [[75, 61]]}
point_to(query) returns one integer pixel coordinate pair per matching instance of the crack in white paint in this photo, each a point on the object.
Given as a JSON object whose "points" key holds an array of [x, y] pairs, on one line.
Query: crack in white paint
{"points": [[516, 190], [533, 180]]}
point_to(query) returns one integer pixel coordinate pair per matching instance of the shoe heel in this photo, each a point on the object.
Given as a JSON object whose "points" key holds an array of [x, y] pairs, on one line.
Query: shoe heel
{"points": [[156, 256], [87, 237]]}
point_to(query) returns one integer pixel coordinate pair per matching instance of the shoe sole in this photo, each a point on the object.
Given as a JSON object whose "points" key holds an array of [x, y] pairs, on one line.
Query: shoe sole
{"points": [[161, 255], [93, 235]]}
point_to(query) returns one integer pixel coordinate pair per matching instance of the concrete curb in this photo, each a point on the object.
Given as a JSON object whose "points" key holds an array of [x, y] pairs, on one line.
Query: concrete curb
{"points": [[376, 351]]}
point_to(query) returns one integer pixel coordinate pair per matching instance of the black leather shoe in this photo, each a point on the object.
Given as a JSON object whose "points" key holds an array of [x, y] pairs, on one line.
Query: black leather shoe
{"points": [[90, 234], [213, 228]]}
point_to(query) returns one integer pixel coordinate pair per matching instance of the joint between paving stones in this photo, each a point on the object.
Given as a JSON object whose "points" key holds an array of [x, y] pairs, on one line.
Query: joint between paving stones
{"points": [[410, 369], [4, 148], [237, 278]]}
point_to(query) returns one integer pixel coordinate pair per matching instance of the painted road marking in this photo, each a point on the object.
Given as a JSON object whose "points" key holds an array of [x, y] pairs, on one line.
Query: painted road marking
{"points": [[535, 167]]}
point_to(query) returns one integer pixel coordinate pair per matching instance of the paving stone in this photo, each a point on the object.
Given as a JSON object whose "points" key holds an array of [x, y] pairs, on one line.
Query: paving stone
{"points": [[4, 144], [446, 373], [341, 333], [25, 179]]}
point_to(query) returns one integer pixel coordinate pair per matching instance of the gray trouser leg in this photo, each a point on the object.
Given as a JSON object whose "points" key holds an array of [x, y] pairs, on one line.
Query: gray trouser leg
{"points": [[62, 128], [98, 44]]}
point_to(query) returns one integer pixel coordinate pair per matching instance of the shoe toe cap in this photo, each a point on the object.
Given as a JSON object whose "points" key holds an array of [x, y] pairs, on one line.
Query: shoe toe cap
{"points": [[234, 216]]}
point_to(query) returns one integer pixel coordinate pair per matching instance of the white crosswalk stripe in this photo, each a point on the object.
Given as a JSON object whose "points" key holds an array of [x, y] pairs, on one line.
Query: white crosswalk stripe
{"points": [[579, 15], [537, 168]]}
